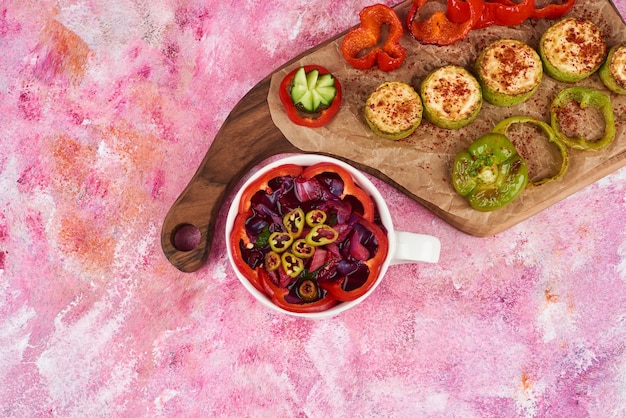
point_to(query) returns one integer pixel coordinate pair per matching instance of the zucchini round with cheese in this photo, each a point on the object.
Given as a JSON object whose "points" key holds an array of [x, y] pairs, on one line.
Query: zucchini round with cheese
{"points": [[394, 110], [451, 97], [509, 72], [572, 49], [613, 70]]}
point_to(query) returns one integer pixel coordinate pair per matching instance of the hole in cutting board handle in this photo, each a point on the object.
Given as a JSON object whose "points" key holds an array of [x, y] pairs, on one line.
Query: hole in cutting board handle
{"points": [[186, 237]]}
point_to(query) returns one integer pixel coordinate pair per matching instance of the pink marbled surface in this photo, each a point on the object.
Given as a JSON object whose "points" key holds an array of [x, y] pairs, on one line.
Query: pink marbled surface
{"points": [[107, 108]]}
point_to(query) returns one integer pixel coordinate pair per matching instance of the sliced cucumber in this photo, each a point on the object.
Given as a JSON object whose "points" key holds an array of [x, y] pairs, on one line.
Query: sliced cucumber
{"points": [[311, 79], [299, 77], [297, 91], [327, 93], [326, 80], [312, 90]]}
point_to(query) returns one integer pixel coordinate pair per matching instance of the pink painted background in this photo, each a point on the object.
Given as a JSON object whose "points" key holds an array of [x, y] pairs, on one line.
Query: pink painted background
{"points": [[106, 110]]}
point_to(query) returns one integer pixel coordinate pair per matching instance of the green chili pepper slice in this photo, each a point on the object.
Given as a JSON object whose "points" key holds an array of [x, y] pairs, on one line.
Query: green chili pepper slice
{"points": [[307, 290], [584, 97], [489, 173], [321, 235], [294, 222], [503, 126], [272, 261], [315, 217], [280, 241], [302, 249], [292, 265]]}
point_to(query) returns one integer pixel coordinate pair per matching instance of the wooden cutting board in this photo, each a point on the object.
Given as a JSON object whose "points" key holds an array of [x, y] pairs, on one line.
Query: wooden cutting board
{"points": [[258, 138]]}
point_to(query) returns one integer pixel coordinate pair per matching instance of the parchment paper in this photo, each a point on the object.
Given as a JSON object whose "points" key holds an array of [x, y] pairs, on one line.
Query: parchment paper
{"points": [[421, 163]]}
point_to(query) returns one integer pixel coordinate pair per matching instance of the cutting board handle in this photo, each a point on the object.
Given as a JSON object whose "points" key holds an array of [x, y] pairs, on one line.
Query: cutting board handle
{"points": [[245, 139]]}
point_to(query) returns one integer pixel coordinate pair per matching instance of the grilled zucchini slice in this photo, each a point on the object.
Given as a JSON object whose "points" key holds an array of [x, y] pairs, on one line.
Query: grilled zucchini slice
{"points": [[451, 97], [509, 72], [613, 70], [394, 110], [572, 49]]}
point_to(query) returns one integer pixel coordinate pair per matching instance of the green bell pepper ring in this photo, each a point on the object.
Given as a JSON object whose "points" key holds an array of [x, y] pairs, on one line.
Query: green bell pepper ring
{"points": [[489, 173], [292, 265], [503, 126], [584, 97], [280, 241], [302, 249], [321, 235], [294, 222]]}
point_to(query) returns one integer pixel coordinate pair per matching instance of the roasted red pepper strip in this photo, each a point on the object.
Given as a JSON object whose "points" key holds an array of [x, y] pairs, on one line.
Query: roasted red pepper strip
{"points": [[365, 38], [506, 12], [239, 238], [336, 287], [262, 183], [553, 11], [438, 29], [349, 187], [314, 120], [499, 12], [281, 298]]}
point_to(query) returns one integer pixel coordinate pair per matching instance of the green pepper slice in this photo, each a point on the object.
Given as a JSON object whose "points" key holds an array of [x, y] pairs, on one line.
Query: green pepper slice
{"points": [[272, 261], [584, 97], [489, 173], [503, 126], [292, 264], [294, 222], [321, 235], [315, 217], [307, 290], [302, 249], [280, 241]]}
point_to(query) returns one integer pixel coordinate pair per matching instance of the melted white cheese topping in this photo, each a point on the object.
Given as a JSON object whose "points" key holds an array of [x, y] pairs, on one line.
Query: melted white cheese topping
{"points": [[452, 93], [574, 46], [510, 67], [394, 107], [618, 65]]}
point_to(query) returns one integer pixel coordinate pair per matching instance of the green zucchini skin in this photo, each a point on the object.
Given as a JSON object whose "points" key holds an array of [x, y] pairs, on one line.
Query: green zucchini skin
{"points": [[572, 49], [451, 96], [613, 71], [509, 72]]}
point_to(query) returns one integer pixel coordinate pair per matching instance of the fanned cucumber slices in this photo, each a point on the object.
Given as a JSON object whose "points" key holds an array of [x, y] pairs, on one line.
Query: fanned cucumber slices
{"points": [[311, 90]]}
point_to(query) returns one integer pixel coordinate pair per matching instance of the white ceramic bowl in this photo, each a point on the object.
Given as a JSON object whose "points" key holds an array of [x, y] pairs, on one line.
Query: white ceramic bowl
{"points": [[404, 247]]}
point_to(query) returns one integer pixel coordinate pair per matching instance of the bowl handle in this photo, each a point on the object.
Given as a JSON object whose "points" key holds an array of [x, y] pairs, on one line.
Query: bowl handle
{"points": [[412, 247]]}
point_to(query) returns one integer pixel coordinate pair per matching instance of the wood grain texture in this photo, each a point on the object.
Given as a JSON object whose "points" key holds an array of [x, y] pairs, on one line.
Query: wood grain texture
{"points": [[250, 127]]}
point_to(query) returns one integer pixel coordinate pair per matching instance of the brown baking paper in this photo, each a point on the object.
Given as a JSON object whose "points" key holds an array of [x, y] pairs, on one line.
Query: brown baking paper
{"points": [[421, 164]]}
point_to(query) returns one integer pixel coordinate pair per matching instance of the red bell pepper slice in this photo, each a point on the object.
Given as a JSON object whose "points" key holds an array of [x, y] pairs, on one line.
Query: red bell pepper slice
{"points": [[438, 29], [374, 264], [350, 188], [238, 238], [497, 12], [279, 296], [365, 37], [506, 12], [299, 117], [554, 10], [262, 183]]}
